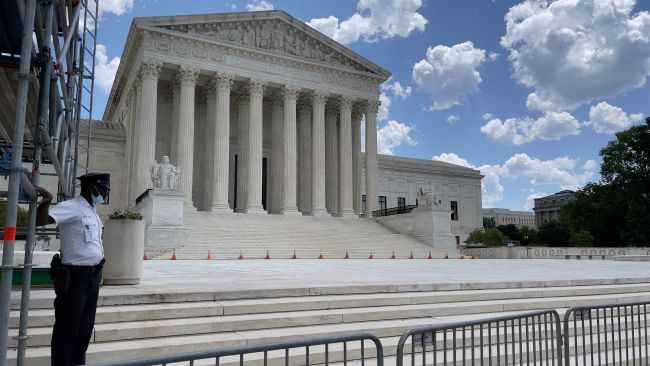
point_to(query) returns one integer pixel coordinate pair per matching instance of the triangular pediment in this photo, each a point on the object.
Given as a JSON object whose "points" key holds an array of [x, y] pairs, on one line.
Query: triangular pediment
{"points": [[270, 31]]}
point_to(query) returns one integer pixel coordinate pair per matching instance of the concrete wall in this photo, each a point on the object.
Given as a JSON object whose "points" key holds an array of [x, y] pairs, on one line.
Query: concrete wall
{"points": [[553, 252]]}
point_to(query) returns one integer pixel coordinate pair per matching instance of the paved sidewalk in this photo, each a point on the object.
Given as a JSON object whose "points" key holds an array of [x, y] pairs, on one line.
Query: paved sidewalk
{"points": [[385, 275]]}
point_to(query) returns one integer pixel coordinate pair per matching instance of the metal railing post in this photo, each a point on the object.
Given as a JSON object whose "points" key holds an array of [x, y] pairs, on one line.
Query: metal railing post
{"points": [[14, 178]]}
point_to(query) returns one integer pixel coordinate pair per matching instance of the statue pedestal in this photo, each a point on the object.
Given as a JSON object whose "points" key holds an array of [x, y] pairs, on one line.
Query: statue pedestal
{"points": [[162, 211]]}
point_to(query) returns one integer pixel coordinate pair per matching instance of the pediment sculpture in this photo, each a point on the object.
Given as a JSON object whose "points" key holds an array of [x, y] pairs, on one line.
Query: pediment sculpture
{"points": [[164, 175], [271, 35]]}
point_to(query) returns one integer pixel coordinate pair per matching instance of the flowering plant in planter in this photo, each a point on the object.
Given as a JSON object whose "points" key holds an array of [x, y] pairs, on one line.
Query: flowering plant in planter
{"points": [[125, 214]]}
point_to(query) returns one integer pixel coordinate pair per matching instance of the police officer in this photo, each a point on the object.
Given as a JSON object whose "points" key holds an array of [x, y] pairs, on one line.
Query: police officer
{"points": [[79, 271]]}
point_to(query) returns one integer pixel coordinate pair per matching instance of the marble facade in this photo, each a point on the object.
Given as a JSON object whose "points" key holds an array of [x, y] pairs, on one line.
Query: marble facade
{"points": [[260, 112]]}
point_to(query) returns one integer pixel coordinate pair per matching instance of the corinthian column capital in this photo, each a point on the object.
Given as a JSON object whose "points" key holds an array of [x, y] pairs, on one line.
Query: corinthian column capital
{"points": [[150, 69], [372, 106], [319, 97], [290, 92], [256, 87], [346, 103], [187, 75], [223, 82]]}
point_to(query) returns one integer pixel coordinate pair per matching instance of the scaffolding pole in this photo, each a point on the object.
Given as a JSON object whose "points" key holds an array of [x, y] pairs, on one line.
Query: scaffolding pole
{"points": [[14, 177], [60, 100]]}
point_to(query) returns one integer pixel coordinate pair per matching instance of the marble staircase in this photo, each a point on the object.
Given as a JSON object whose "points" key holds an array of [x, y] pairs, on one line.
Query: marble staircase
{"points": [[227, 236], [133, 326]]}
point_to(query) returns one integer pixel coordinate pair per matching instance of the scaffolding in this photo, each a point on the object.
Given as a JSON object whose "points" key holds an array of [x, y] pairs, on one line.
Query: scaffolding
{"points": [[52, 44]]}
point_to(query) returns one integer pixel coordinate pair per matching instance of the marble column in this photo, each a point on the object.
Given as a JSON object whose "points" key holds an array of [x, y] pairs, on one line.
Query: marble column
{"points": [[221, 144], [345, 157], [276, 169], [331, 155], [289, 178], [255, 144], [208, 150], [174, 91], [243, 109], [187, 77], [145, 145], [318, 154], [130, 128], [371, 157], [304, 156], [356, 160]]}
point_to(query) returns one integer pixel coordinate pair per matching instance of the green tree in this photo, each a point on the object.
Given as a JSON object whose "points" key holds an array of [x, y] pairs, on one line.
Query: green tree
{"points": [[554, 234], [528, 235], [626, 165], [494, 237], [616, 211], [581, 239], [489, 222], [511, 232], [491, 237]]}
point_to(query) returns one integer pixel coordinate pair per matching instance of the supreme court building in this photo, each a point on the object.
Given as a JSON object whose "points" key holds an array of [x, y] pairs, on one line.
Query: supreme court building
{"points": [[261, 114]]}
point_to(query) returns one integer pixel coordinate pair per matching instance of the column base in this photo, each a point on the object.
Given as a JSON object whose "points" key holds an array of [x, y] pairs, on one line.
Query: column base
{"points": [[367, 215], [320, 212], [189, 206], [290, 211], [254, 210], [221, 208], [347, 213]]}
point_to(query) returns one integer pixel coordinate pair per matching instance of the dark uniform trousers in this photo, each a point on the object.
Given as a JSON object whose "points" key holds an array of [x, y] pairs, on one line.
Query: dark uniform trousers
{"points": [[75, 317]]}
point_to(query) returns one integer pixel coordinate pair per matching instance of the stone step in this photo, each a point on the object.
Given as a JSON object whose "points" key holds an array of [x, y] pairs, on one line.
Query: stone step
{"points": [[199, 325], [184, 309], [388, 331]]}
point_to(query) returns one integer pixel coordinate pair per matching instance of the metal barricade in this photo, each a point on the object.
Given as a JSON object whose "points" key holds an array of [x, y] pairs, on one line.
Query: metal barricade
{"points": [[331, 350], [615, 334], [531, 338]]}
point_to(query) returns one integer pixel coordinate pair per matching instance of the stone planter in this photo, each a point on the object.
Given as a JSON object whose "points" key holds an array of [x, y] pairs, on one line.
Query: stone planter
{"points": [[123, 250]]}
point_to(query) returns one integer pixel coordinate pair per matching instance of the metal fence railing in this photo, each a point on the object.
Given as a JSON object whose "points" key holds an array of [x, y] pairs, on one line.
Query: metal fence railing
{"points": [[325, 350], [531, 338], [614, 334], [393, 211]]}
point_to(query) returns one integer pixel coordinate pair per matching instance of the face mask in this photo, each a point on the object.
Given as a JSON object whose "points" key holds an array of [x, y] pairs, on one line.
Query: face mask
{"points": [[97, 199]]}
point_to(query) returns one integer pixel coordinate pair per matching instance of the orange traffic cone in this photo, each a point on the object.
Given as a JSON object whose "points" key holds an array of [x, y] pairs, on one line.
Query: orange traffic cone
{"points": [[429, 257], [144, 257], [393, 255], [294, 256], [346, 255], [411, 256], [371, 256], [321, 255], [241, 255], [267, 255], [173, 255], [209, 257]]}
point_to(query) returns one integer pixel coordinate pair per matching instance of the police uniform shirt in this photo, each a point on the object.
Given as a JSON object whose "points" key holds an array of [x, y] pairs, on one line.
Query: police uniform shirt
{"points": [[81, 232]]}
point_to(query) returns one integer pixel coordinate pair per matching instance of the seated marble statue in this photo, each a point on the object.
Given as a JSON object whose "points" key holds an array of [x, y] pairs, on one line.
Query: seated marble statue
{"points": [[164, 175]]}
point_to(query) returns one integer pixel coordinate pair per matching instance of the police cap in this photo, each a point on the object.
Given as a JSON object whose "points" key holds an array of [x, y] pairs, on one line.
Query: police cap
{"points": [[101, 179]]}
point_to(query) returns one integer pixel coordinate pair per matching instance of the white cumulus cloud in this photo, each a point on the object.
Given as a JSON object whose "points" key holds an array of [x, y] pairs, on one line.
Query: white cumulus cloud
{"points": [[519, 131], [384, 108], [397, 89], [117, 7], [104, 69], [560, 172], [374, 20], [606, 118], [392, 135], [452, 118], [259, 5], [573, 51], [448, 74]]}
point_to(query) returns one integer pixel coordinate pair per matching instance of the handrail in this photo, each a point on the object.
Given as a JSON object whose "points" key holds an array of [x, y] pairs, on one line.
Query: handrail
{"points": [[393, 211]]}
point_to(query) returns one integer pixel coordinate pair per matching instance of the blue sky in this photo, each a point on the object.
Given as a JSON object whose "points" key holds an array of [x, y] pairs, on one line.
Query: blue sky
{"points": [[526, 91]]}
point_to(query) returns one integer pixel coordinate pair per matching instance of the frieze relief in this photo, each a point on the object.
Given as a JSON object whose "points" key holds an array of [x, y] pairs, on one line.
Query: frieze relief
{"points": [[271, 35], [188, 48]]}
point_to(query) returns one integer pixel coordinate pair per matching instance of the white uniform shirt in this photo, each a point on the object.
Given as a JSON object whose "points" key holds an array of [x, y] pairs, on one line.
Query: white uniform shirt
{"points": [[81, 232]]}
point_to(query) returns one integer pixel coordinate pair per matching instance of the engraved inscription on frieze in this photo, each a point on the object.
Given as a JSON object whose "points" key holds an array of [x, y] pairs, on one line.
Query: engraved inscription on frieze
{"points": [[271, 35]]}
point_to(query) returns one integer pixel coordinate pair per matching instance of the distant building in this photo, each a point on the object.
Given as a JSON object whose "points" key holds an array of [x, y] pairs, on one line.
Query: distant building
{"points": [[503, 216], [548, 208]]}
